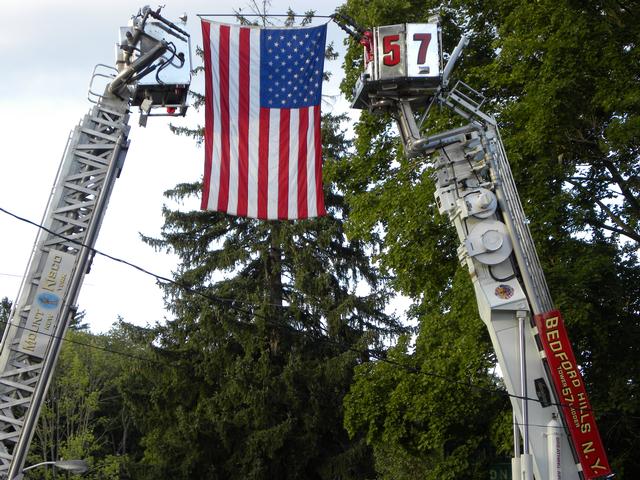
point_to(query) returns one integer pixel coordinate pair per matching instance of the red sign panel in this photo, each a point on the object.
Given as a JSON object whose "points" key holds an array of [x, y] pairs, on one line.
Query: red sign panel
{"points": [[572, 394]]}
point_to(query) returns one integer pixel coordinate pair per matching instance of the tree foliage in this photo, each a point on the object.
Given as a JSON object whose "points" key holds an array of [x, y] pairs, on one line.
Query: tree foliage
{"points": [[562, 79], [5, 312], [84, 415], [262, 355], [279, 327]]}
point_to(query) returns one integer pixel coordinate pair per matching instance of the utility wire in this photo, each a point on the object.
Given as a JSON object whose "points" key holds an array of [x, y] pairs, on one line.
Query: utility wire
{"points": [[279, 15], [89, 345], [380, 356]]}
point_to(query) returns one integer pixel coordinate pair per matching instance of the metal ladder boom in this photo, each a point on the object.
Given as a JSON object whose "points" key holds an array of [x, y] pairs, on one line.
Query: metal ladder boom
{"points": [[60, 258], [64, 247]]}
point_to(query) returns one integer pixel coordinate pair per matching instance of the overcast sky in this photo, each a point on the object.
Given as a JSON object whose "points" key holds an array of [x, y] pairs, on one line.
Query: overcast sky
{"points": [[48, 51]]}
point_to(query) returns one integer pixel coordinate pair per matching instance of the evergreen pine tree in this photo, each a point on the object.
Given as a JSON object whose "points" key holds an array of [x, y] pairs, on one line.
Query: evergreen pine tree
{"points": [[271, 317]]}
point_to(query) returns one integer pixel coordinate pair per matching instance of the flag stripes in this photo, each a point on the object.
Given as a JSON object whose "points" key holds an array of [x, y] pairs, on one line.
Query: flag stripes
{"points": [[259, 162]]}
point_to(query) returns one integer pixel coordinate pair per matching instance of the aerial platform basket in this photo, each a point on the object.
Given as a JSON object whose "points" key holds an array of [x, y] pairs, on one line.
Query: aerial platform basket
{"points": [[401, 61]]}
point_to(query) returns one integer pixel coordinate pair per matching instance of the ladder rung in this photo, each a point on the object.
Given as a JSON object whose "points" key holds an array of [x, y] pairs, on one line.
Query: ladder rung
{"points": [[13, 421], [19, 386], [95, 146], [96, 133]]}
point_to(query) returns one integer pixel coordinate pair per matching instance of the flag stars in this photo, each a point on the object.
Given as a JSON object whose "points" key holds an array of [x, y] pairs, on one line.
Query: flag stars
{"points": [[291, 67]]}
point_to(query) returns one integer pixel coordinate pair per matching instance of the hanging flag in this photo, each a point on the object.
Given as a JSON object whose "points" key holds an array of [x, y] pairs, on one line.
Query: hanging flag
{"points": [[263, 90]]}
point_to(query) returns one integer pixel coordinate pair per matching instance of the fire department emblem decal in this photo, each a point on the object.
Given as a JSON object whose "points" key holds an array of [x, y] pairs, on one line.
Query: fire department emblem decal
{"points": [[504, 292], [48, 301]]}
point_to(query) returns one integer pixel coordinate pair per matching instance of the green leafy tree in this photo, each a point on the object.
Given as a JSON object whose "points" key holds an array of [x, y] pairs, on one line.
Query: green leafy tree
{"points": [[562, 79], [5, 311], [84, 415]]}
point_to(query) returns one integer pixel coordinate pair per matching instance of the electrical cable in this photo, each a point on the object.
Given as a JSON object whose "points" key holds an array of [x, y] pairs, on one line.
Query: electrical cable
{"points": [[279, 15], [380, 356], [171, 47], [505, 279]]}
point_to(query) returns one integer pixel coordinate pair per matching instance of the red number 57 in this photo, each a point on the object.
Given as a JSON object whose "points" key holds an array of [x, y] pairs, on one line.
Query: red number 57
{"points": [[391, 48]]}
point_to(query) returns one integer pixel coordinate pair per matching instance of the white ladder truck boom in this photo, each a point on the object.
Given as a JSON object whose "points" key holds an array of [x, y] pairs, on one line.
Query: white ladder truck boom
{"points": [[153, 71], [555, 435]]}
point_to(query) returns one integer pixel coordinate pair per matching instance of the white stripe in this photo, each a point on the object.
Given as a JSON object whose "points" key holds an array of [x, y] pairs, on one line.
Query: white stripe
{"points": [[294, 124], [274, 159], [293, 163], [234, 118], [311, 167], [254, 122], [214, 186]]}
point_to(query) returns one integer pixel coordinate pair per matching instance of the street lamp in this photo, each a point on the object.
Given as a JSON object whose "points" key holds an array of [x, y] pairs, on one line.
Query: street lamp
{"points": [[76, 467]]}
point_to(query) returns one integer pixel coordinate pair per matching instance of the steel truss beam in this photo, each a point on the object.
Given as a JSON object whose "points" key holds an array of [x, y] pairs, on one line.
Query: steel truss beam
{"points": [[91, 163]]}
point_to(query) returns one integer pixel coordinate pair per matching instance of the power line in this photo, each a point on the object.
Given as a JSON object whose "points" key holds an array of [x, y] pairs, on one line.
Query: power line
{"points": [[267, 15], [10, 275], [380, 356], [158, 277]]}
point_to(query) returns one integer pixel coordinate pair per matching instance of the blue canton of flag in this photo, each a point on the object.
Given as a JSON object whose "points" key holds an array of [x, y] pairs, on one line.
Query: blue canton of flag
{"points": [[291, 67]]}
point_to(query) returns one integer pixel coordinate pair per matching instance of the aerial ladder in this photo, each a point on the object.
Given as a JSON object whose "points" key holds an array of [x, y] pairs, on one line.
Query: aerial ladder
{"points": [[152, 72], [555, 434]]}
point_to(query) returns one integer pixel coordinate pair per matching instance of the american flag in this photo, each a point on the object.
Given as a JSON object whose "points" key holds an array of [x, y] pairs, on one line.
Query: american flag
{"points": [[263, 90]]}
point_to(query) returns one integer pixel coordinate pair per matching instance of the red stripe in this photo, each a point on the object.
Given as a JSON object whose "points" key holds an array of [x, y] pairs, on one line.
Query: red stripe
{"points": [[243, 123], [263, 163], [283, 165], [318, 161], [208, 114], [303, 128], [223, 196]]}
